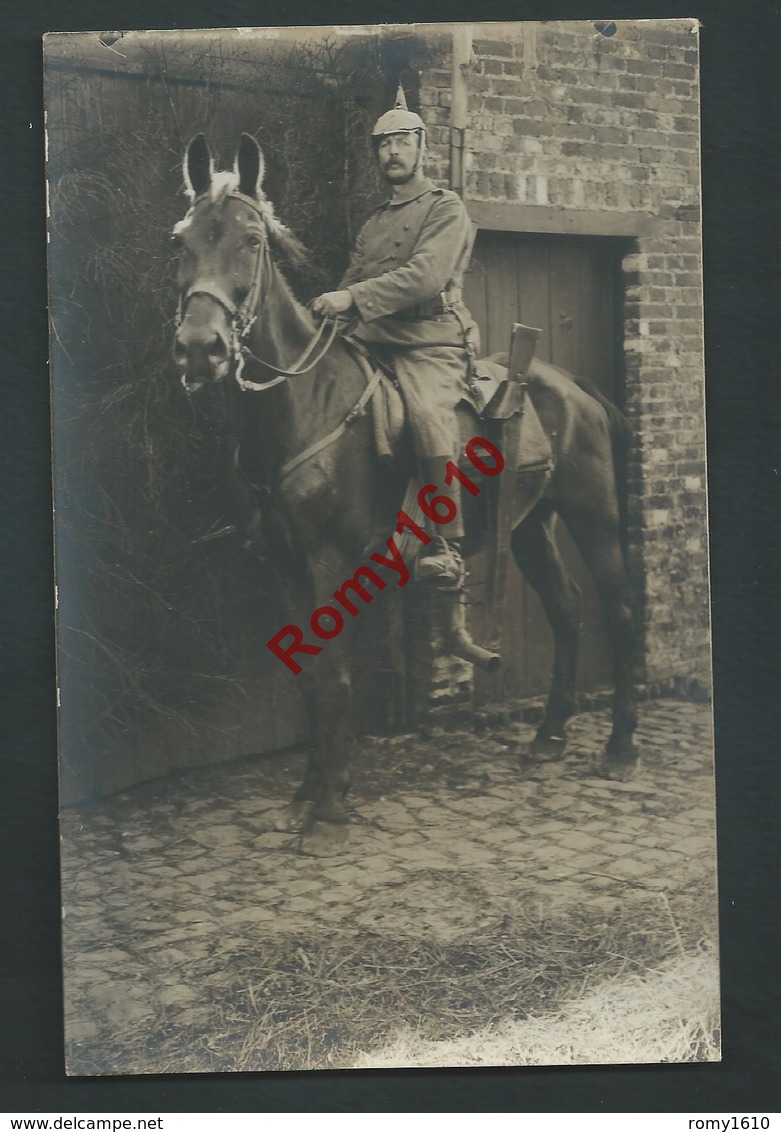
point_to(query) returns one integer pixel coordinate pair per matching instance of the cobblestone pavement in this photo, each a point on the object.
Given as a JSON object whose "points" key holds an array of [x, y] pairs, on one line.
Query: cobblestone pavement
{"points": [[448, 832]]}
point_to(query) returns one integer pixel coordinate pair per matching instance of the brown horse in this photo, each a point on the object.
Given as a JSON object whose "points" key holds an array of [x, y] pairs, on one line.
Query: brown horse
{"points": [[318, 495]]}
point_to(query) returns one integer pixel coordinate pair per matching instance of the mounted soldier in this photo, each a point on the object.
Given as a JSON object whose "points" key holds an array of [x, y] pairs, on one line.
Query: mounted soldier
{"points": [[402, 287], [307, 456]]}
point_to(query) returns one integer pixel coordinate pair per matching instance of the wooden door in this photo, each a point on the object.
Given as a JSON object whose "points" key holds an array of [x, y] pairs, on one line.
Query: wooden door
{"points": [[568, 287]]}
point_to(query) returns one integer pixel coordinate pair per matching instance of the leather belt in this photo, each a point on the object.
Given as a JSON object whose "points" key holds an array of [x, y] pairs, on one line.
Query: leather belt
{"points": [[432, 308]]}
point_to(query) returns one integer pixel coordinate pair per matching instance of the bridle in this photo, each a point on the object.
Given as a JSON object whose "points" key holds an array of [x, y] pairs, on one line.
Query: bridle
{"points": [[296, 369], [242, 317]]}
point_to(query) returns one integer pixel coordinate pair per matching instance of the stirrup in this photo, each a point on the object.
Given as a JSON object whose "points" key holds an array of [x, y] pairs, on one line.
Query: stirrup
{"points": [[442, 563]]}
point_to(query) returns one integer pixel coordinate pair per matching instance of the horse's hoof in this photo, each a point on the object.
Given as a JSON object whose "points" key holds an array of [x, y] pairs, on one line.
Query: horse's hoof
{"points": [[548, 747], [325, 839], [293, 818], [620, 769]]}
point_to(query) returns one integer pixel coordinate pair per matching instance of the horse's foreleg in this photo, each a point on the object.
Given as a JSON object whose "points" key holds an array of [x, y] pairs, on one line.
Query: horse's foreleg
{"points": [[538, 558], [597, 538], [318, 810], [328, 777], [324, 789]]}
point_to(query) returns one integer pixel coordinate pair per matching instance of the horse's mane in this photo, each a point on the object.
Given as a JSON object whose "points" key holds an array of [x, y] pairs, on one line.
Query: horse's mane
{"points": [[289, 250]]}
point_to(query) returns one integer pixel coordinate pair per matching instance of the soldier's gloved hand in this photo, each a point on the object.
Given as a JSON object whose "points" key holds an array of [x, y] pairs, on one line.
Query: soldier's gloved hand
{"points": [[332, 303]]}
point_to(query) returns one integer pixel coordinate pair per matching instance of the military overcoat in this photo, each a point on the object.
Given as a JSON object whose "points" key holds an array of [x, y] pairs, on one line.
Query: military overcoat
{"points": [[405, 277]]}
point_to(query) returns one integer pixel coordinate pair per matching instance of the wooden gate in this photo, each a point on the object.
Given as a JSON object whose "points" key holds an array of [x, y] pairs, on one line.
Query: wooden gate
{"points": [[568, 286]]}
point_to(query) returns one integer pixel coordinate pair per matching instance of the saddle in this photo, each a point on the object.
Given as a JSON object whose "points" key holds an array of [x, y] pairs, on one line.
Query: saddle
{"points": [[474, 412]]}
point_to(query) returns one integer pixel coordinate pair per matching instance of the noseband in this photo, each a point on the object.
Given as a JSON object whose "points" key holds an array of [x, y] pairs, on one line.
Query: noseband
{"points": [[244, 315], [241, 317]]}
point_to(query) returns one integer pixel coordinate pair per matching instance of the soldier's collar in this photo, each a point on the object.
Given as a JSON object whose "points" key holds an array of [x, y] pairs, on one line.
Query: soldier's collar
{"points": [[410, 192]]}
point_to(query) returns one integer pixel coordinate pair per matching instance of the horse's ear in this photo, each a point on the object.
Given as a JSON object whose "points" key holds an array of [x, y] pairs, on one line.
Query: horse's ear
{"points": [[198, 167], [250, 166]]}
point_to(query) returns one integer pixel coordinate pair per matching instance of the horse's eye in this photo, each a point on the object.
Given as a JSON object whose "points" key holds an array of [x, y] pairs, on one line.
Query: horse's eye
{"points": [[253, 241], [176, 240]]}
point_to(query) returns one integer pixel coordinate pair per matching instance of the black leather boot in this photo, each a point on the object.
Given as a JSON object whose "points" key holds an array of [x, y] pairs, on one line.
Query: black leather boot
{"points": [[441, 560]]}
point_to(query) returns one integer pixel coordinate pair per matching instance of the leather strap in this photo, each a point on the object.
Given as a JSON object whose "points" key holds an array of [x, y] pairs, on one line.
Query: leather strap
{"points": [[284, 374], [357, 410]]}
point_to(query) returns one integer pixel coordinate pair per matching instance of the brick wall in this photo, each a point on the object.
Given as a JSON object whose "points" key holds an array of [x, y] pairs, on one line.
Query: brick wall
{"points": [[563, 118]]}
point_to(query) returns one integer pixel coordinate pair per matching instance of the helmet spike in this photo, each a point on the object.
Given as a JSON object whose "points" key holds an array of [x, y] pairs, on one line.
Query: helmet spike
{"points": [[399, 120]]}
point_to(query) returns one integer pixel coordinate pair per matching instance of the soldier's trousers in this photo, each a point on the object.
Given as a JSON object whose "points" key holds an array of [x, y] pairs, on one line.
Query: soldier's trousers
{"points": [[433, 381]]}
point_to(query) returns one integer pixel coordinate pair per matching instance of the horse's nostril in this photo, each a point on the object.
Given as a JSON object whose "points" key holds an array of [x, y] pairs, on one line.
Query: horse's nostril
{"points": [[198, 349], [218, 351]]}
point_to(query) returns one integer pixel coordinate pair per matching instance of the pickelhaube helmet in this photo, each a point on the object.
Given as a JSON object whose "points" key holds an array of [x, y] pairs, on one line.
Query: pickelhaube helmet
{"points": [[399, 120]]}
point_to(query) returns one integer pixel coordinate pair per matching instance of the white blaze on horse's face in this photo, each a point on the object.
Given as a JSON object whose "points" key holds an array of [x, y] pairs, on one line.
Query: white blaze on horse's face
{"points": [[218, 260], [221, 242]]}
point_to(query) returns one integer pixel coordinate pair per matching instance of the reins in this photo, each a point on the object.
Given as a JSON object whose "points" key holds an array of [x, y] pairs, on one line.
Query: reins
{"points": [[242, 320], [284, 374]]}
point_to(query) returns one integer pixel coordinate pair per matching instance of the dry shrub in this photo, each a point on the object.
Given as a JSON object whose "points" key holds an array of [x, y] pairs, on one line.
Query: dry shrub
{"points": [[161, 623]]}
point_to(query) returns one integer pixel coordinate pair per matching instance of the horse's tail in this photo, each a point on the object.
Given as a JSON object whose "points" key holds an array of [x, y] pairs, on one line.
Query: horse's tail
{"points": [[620, 428], [620, 443]]}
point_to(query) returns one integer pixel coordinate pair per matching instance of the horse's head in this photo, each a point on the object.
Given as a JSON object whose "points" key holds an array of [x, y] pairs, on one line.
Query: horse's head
{"points": [[223, 242]]}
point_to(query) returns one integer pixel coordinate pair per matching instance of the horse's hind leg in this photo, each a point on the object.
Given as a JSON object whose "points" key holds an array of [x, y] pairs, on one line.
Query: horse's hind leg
{"points": [[596, 534], [535, 551]]}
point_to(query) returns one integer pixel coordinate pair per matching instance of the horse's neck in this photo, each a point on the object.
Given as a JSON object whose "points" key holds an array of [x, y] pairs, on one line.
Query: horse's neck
{"points": [[278, 421], [283, 328]]}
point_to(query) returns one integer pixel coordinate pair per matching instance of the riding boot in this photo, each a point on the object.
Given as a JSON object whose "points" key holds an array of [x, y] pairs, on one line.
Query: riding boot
{"points": [[441, 561]]}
